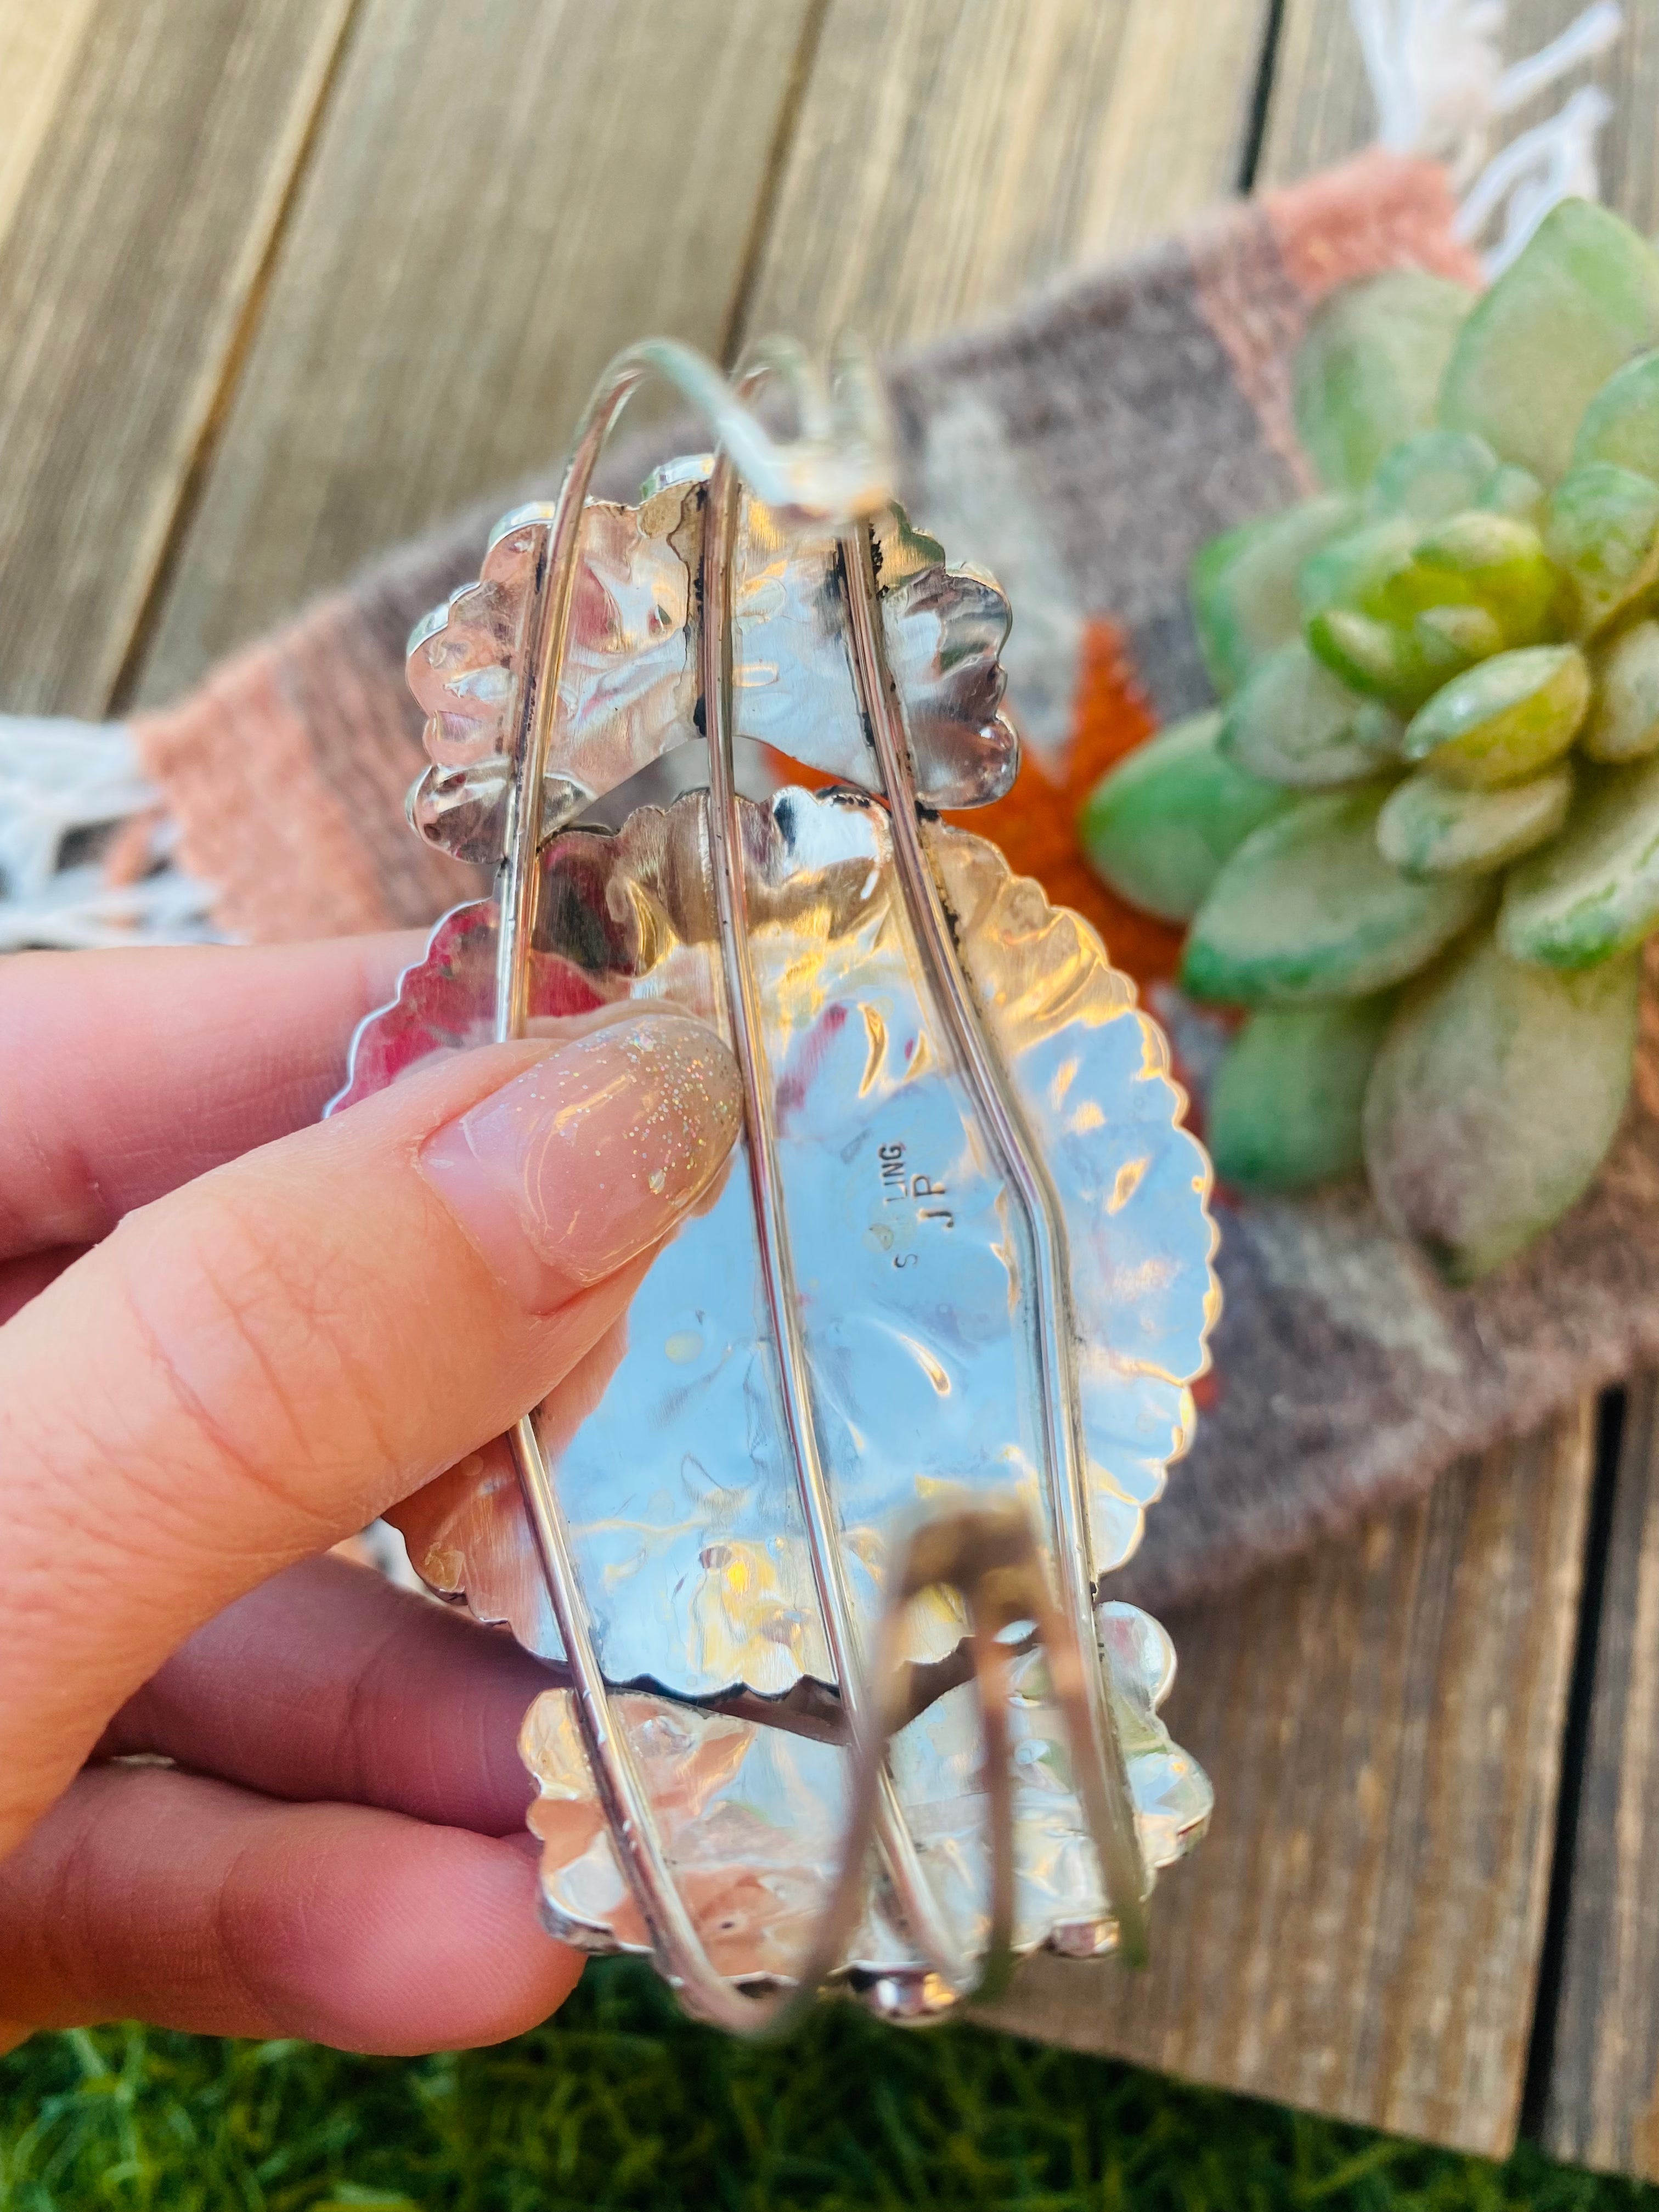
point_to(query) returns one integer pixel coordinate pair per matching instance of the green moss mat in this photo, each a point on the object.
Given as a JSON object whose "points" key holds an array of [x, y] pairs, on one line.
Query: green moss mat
{"points": [[620, 2102]]}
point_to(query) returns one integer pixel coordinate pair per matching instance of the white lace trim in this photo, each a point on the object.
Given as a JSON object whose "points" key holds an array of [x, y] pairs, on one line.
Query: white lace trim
{"points": [[1440, 85], [60, 778]]}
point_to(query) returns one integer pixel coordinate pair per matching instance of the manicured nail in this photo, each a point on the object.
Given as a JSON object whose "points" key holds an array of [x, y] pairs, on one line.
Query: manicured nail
{"points": [[592, 1155]]}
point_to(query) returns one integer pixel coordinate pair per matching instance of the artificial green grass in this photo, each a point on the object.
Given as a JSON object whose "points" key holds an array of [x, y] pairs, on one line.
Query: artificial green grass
{"points": [[619, 2102]]}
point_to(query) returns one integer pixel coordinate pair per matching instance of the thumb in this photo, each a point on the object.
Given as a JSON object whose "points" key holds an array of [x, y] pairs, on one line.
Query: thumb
{"points": [[259, 1362]]}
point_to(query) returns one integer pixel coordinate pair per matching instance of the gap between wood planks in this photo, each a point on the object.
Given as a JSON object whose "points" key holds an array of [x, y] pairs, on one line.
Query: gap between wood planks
{"points": [[148, 150], [1255, 137], [735, 331], [433, 325], [194, 478], [210, 444], [1575, 1759]]}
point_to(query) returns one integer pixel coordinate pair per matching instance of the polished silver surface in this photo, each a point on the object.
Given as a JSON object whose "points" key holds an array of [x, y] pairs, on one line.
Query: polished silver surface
{"points": [[754, 1816], [677, 1481], [628, 685], [1102, 1782], [848, 1662], [952, 1291]]}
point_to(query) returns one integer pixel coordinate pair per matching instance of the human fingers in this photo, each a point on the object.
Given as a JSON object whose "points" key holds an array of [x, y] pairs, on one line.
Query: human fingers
{"points": [[26, 1277], [259, 1362], [129, 1072], [187, 1902], [327, 1682]]}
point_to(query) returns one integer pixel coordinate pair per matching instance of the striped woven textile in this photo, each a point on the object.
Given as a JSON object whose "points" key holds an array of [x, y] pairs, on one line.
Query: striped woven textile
{"points": [[1083, 450]]}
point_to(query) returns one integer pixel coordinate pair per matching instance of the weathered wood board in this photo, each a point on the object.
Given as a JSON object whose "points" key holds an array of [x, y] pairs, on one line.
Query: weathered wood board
{"points": [[1601, 2105], [154, 149], [39, 45], [1321, 108], [431, 329], [500, 198], [951, 155], [1360, 1931]]}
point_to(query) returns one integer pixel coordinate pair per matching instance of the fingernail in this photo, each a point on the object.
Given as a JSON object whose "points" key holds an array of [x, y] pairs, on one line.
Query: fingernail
{"points": [[592, 1155]]}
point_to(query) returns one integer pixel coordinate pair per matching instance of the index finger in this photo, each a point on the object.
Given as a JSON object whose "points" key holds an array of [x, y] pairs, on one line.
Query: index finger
{"points": [[262, 1361]]}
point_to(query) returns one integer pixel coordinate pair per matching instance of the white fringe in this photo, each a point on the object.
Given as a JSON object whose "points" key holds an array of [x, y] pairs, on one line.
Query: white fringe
{"points": [[1439, 78], [58, 778]]}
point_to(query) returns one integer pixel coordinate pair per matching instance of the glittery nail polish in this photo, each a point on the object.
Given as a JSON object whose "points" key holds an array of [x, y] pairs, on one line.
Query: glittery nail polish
{"points": [[591, 1155]]}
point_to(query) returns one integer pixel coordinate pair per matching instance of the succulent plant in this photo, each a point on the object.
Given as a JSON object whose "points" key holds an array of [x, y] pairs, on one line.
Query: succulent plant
{"points": [[1418, 841]]}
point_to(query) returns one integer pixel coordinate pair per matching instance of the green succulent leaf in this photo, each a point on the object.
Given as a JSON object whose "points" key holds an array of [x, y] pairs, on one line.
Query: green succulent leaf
{"points": [[1355, 568], [1595, 892], [1451, 638], [1604, 532], [1511, 489], [1401, 664], [1432, 475], [1307, 909], [1577, 302], [1486, 559], [1396, 614], [1380, 731], [1285, 1109], [1494, 1099], [1244, 585], [1370, 368], [1293, 723], [1369, 656], [1159, 826], [1621, 423], [1503, 721], [1624, 716], [1428, 827]]}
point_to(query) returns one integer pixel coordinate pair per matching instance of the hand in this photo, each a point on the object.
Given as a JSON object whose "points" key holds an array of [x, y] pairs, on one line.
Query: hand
{"points": [[234, 1336]]}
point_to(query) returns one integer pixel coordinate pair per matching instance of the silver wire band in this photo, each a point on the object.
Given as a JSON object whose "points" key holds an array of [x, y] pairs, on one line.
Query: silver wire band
{"points": [[926, 1928], [1104, 1780], [786, 475]]}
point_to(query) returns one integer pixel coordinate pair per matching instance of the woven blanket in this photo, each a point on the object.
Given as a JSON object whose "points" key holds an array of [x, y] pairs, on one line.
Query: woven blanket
{"points": [[1083, 450]]}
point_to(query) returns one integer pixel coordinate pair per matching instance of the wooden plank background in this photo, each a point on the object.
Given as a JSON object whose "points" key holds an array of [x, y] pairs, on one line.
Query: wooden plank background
{"points": [[286, 282], [501, 195], [1321, 107], [162, 154], [949, 155], [1602, 2092], [1360, 1931]]}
